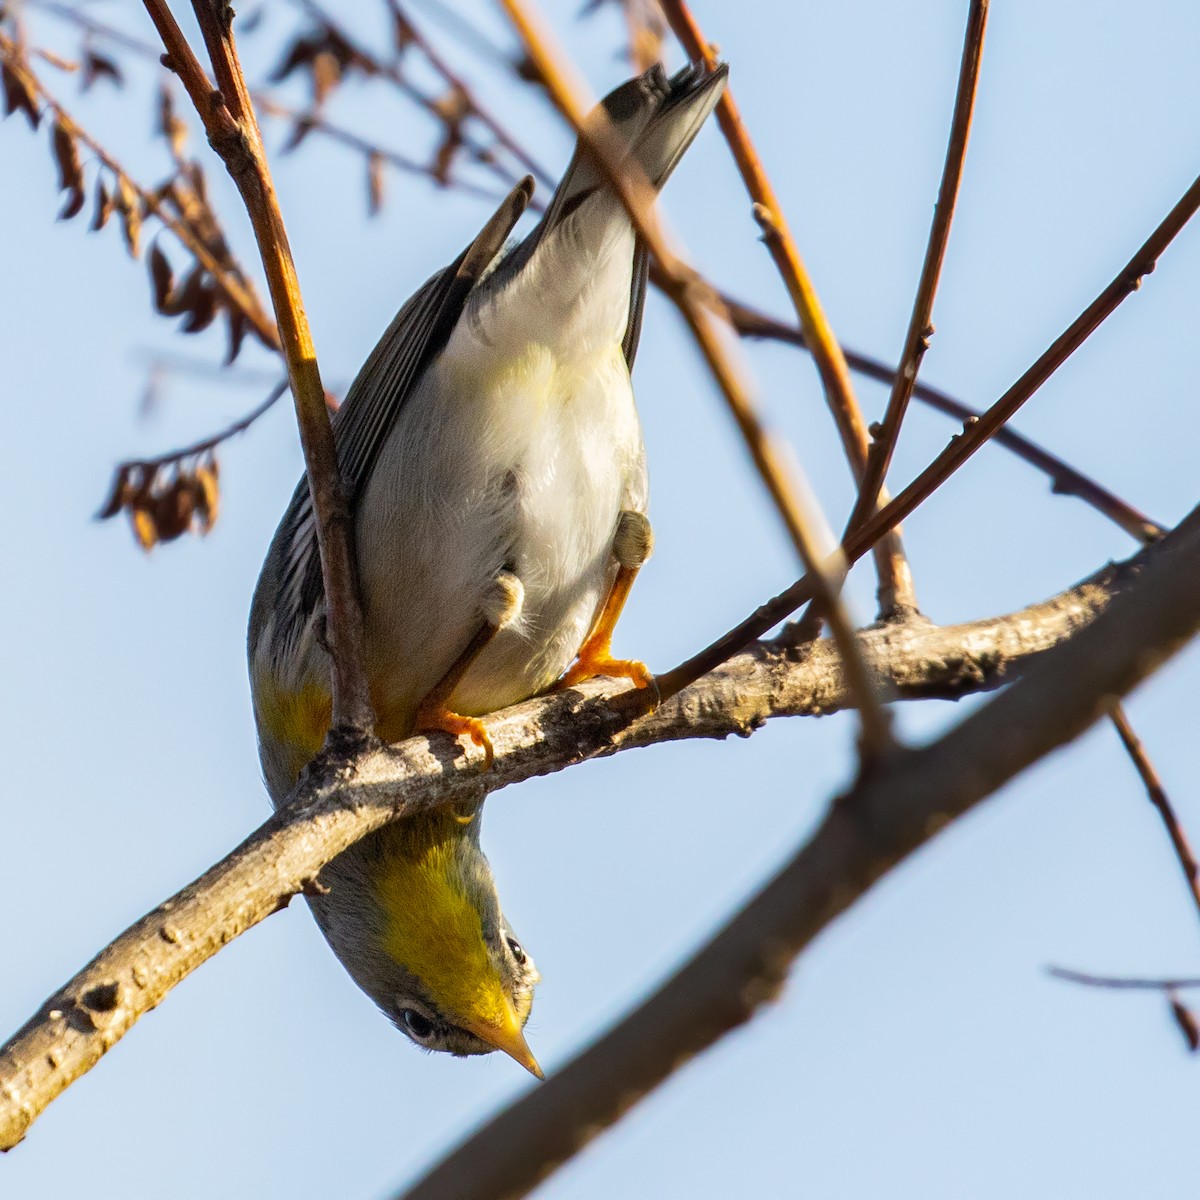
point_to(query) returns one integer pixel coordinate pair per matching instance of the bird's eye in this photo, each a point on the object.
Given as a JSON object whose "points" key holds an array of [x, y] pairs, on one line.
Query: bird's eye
{"points": [[517, 952], [420, 1027]]}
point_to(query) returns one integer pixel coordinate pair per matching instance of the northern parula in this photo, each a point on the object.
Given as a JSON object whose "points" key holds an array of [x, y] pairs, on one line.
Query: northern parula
{"points": [[493, 460]]}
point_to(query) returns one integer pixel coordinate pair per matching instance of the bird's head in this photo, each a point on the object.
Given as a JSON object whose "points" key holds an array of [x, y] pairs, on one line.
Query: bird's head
{"points": [[413, 914]]}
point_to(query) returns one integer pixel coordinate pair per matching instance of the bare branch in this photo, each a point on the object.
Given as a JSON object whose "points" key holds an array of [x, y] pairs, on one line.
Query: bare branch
{"points": [[1065, 480], [884, 817], [332, 808], [1157, 795], [1123, 983], [958, 452], [895, 578], [920, 325]]}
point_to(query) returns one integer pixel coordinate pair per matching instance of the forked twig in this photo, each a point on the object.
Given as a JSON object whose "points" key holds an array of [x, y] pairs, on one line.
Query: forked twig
{"points": [[896, 593], [920, 325], [1065, 480], [958, 452]]}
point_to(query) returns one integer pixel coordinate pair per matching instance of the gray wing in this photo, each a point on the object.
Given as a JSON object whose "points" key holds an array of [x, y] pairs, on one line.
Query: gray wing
{"points": [[417, 333]]}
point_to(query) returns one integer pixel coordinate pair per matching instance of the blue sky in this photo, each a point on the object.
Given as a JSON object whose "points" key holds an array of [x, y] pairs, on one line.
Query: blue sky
{"points": [[919, 1049]]}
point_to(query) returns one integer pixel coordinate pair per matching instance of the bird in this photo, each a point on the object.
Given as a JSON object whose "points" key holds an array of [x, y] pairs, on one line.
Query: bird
{"points": [[492, 459]]}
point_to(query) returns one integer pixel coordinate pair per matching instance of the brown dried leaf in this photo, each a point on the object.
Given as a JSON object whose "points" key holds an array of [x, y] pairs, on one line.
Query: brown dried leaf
{"points": [[326, 75], [187, 295], [104, 206], [203, 310], [145, 531], [173, 509], [208, 495], [99, 66], [300, 130], [129, 206], [118, 496], [374, 183], [19, 95], [70, 170], [1185, 1019], [238, 325], [443, 158], [161, 277], [170, 124]]}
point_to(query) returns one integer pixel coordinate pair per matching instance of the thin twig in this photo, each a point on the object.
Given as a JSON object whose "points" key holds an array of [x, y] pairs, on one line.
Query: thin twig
{"points": [[638, 197], [1065, 480], [1122, 983], [209, 443], [330, 811], [895, 577], [865, 833], [958, 452], [1157, 795], [229, 120], [920, 325]]}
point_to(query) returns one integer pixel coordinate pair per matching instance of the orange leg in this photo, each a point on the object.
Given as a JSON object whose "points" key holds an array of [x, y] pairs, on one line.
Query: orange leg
{"points": [[631, 547], [503, 606]]}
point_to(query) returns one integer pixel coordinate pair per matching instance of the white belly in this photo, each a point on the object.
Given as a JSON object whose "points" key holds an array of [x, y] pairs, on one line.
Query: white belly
{"points": [[526, 470]]}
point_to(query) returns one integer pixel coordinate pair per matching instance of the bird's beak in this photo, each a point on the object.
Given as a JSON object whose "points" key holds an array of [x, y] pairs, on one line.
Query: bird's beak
{"points": [[507, 1035]]}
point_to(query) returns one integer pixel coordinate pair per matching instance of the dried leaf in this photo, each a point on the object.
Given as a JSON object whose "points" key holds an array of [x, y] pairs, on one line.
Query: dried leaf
{"points": [[129, 206], [300, 130], [326, 75], [161, 278], [99, 66], [170, 124], [187, 295], [19, 95], [145, 531], [208, 495], [1185, 1019], [104, 206], [238, 324], [118, 496], [443, 158], [70, 170], [173, 509], [374, 182], [203, 311]]}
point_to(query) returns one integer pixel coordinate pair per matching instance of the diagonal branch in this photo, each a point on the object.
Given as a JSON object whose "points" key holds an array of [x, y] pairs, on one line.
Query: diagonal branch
{"points": [[233, 132], [331, 810], [1065, 480], [895, 578], [1157, 795], [958, 452], [866, 832], [920, 325]]}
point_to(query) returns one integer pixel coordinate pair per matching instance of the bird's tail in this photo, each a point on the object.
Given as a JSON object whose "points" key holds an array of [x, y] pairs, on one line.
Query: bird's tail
{"points": [[655, 119]]}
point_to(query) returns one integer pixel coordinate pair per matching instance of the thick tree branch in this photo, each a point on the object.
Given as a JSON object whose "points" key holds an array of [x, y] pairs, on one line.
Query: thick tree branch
{"points": [[882, 819], [333, 808]]}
